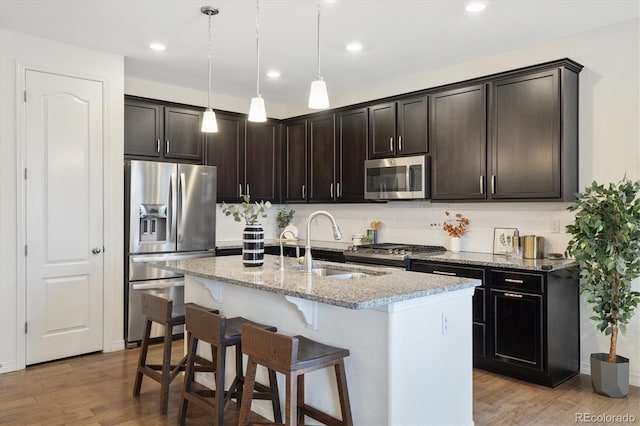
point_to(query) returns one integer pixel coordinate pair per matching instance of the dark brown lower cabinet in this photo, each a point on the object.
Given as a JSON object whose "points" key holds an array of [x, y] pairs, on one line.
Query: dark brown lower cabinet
{"points": [[526, 324]]}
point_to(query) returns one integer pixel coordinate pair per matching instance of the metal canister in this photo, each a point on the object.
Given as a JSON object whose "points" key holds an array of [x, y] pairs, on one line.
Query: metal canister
{"points": [[533, 247]]}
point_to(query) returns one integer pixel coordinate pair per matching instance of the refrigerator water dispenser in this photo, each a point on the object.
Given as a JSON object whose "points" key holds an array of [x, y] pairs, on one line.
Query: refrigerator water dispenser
{"points": [[153, 222]]}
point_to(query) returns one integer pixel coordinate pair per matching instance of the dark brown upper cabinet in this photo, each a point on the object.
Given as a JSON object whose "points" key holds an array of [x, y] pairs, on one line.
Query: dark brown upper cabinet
{"points": [[351, 145], [295, 162], [322, 158], [225, 150], [153, 130], [261, 161], [458, 139], [533, 135], [398, 128]]}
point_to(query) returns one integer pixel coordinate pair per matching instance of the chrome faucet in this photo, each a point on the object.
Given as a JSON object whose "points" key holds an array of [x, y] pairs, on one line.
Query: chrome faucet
{"points": [[282, 234], [308, 260]]}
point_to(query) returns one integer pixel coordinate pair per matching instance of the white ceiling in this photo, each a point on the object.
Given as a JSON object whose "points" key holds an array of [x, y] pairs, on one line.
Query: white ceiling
{"points": [[400, 37]]}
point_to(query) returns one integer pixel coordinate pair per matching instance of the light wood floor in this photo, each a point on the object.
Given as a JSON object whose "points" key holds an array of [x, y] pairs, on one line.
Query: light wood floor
{"points": [[96, 390]]}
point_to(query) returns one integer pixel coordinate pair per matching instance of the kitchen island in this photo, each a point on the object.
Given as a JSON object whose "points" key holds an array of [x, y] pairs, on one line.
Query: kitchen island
{"points": [[409, 333]]}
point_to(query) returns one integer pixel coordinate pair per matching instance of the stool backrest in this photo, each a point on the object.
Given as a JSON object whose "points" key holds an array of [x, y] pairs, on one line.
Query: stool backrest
{"points": [[205, 324], [278, 351], [155, 308]]}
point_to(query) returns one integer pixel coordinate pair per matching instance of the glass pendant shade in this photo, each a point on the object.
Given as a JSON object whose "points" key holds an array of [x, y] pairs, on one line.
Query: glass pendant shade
{"points": [[209, 124], [257, 112], [318, 96]]}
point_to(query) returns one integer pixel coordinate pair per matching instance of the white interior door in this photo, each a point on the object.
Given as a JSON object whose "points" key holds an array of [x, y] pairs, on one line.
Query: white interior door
{"points": [[64, 222]]}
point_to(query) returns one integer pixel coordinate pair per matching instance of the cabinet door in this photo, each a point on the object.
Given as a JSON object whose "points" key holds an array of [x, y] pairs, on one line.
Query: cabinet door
{"points": [[382, 130], [351, 140], [261, 161], [517, 328], [225, 151], [525, 136], [182, 136], [457, 134], [412, 126], [295, 162], [322, 161], [142, 129]]}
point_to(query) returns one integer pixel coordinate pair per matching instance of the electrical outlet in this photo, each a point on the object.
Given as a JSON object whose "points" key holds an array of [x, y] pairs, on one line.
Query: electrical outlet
{"points": [[445, 324], [555, 226]]}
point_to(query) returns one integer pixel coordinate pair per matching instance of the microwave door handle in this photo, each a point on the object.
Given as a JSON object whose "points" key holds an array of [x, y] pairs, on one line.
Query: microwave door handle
{"points": [[409, 177]]}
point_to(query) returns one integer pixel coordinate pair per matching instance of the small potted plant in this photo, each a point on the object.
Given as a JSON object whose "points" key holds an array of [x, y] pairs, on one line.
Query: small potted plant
{"points": [[284, 217], [455, 226], [605, 241], [253, 234]]}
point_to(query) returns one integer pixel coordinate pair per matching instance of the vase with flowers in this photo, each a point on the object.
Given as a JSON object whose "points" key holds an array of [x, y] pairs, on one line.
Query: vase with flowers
{"points": [[455, 226], [253, 234]]}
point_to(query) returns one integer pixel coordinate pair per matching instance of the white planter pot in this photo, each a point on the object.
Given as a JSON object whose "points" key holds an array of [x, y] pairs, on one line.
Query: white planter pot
{"points": [[455, 244]]}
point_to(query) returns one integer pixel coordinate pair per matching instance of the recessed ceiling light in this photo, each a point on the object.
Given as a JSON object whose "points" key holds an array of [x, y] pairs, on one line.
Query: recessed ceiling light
{"points": [[475, 7], [273, 74], [354, 47], [158, 47]]}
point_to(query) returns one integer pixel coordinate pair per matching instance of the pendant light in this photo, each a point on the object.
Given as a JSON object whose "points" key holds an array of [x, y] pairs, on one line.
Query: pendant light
{"points": [[257, 111], [209, 123], [318, 97]]}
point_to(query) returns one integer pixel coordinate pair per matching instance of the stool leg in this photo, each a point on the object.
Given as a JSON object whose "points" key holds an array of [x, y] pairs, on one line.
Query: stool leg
{"points": [[275, 396], [291, 399], [343, 393], [166, 370], [247, 394], [142, 359], [188, 378], [219, 395], [300, 404], [239, 379]]}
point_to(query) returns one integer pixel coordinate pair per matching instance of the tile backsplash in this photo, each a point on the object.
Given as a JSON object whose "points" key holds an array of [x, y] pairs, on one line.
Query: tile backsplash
{"points": [[420, 222]]}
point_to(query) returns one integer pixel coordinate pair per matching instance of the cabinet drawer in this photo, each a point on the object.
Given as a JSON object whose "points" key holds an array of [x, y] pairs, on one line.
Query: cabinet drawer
{"points": [[517, 281], [453, 271]]}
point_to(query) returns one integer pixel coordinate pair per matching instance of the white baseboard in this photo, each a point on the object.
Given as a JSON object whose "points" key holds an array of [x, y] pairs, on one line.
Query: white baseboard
{"points": [[118, 345], [634, 379], [8, 367]]}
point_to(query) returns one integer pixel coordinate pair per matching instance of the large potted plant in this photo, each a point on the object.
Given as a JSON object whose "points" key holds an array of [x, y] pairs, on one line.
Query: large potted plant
{"points": [[253, 234], [605, 241]]}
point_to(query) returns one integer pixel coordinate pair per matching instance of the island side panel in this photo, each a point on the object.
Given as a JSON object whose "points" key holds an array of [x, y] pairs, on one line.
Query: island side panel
{"points": [[363, 332], [430, 360]]}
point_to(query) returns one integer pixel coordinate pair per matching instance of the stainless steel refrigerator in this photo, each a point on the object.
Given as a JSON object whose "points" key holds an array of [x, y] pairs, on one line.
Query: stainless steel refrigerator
{"points": [[169, 215]]}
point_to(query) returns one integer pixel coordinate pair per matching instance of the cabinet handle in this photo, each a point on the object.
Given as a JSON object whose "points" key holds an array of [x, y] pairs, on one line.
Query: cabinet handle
{"points": [[248, 192], [158, 145], [167, 146], [399, 143], [391, 144], [511, 280], [304, 192], [482, 184], [239, 190], [453, 274], [331, 189], [338, 189], [493, 184], [517, 296]]}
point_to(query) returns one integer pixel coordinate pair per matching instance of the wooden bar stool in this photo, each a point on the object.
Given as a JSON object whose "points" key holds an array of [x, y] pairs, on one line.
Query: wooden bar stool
{"points": [[293, 356], [221, 333], [159, 310]]}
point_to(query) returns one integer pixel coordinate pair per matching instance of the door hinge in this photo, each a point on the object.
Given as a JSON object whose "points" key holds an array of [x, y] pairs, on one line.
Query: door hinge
{"points": [[25, 173], [26, 249], [25, 96], [26, 327]]}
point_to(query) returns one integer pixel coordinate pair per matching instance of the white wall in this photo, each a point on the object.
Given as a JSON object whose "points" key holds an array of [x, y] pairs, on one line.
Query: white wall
{"points": [[30, 51], [609, 148]]}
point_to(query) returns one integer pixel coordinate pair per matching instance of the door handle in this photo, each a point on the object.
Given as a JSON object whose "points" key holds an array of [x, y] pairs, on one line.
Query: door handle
{"points": [[517, 296], [338, 189], [248, 192], [453, 274], [493, 184], [239, 190], [331, 190], [158, 145], [399, 143], [96, 250], [183, 216], [481, 184], [391, 143], [167, 146], [511, 280], [304, 192]]}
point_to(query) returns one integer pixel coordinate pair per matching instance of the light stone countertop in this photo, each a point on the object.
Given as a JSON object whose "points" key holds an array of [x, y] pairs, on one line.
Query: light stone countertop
{"points": [[499, 261], [383, 286], [338, 246]]}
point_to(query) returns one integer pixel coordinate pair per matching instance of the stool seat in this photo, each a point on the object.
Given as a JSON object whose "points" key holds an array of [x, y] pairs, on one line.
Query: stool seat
{"points": [[220, 333], [293, 356]]}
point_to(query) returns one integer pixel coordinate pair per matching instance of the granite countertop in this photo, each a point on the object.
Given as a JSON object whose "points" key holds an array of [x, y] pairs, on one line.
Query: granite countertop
{"points": [[338, 246], [383, 286], [500, 261]]}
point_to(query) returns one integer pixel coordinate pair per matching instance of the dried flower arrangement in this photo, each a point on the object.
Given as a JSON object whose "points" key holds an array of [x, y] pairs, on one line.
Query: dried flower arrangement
{"points": [[455, 226]]}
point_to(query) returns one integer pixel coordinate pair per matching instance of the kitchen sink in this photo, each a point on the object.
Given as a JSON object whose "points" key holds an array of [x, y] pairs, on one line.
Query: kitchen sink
{"points": [[338, 274]]}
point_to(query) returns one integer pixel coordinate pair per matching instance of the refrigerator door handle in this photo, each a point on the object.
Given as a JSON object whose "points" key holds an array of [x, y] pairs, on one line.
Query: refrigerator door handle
{"points": [[181, 201], [173, 201]]}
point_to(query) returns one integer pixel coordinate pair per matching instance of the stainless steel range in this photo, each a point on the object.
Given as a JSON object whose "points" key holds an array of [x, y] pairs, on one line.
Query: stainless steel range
{"points": [[390, 254]]}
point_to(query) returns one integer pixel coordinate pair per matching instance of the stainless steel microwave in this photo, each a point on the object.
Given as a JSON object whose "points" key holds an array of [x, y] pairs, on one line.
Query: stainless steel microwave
{"points": [[402, 178]]}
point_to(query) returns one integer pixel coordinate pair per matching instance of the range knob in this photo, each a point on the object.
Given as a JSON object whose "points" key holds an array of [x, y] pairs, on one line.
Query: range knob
{"points": [[390, 251], [403, 252]]}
